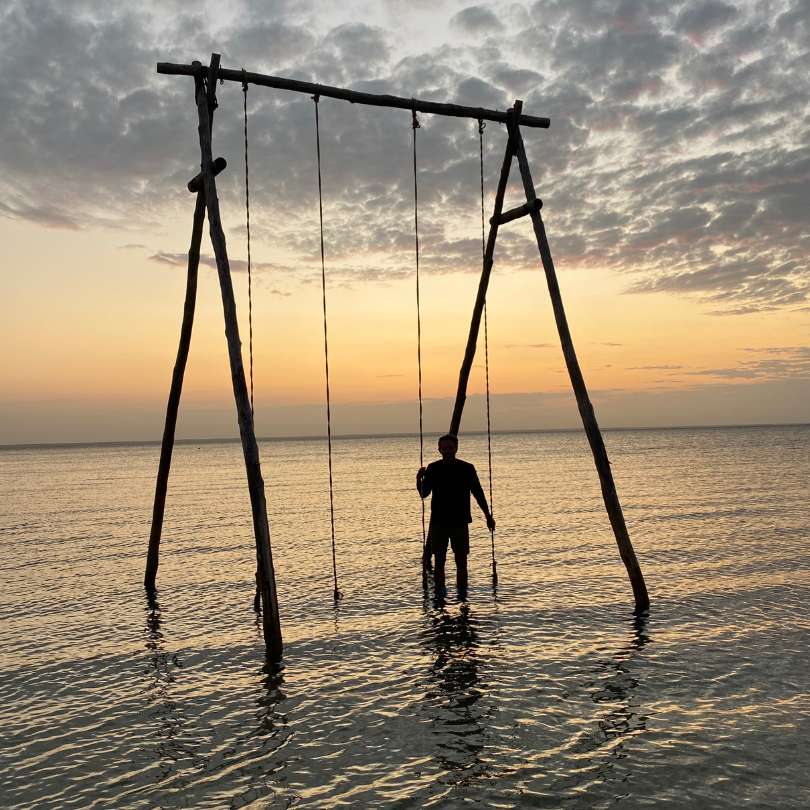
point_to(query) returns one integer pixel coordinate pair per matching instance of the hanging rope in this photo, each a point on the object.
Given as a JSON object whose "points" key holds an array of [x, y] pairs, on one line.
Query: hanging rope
{"points": [[481, 126], [257, 595], [247, 225], [425, 552], [337, 594]]}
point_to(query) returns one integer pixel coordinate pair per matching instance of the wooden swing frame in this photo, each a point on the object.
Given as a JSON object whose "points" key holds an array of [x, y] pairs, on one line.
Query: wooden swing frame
{"points": [[204, 184]]}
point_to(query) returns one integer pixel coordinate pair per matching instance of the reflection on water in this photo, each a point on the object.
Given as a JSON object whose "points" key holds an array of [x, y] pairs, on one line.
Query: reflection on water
{"points": [[168, 718], [612, 686], [547, 695], [454, 692]]}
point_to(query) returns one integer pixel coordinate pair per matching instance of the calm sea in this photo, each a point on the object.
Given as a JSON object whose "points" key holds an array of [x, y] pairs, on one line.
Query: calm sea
{"points": [[543, 693]]}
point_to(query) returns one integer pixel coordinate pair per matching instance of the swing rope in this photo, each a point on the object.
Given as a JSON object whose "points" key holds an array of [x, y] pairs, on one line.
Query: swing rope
{"points": [[481, 126], [247, 225], [257, 596], [337, 594], [414, 126]]}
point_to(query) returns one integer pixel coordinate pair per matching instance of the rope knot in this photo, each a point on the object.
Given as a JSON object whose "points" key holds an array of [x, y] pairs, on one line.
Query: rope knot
{"points": [[481, 126], [244, 81], [415, 121], [317, 98]]}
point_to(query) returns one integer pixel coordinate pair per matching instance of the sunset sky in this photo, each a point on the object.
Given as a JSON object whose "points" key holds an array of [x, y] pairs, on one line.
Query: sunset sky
{"points": [[675, 179]]}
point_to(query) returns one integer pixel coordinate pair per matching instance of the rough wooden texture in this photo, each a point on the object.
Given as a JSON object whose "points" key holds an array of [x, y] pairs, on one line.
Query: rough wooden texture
{"points": [[167, 445], [373, 99], [592, 431], [518, 212], [250, 448], [481, 297]]}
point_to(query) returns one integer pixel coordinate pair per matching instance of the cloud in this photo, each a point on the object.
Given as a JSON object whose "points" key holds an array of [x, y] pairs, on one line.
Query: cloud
{"points": [[768, 363], [236, 265], [700, 19], [529, 346], [683, 167], [476, 20], [654, 368], [45, 215]]}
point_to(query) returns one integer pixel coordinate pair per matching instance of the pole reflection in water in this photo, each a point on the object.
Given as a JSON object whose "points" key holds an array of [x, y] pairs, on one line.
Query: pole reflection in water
{"points": [[612, 686], [455, 690], [270, 720], [162, 670]]}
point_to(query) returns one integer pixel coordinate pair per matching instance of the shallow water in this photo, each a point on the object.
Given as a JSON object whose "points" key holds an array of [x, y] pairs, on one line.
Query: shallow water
{"points": [[544, 693]]}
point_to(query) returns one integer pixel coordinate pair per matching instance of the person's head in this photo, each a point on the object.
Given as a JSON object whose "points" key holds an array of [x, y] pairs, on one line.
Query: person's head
{"points": [[448, 446]]}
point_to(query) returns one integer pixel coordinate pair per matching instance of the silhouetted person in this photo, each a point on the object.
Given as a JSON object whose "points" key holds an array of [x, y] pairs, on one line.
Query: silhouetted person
{"points": [[451, 481]]}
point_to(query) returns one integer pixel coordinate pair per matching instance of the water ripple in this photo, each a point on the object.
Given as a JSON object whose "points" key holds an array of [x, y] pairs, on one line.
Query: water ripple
{"points": [[547, 692]]}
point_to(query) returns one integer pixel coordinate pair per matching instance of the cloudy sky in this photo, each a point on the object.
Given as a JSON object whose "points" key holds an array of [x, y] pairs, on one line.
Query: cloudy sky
{"points": [[675, 178]]}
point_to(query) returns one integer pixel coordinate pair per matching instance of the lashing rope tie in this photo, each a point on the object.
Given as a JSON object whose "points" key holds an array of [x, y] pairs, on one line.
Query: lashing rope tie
{"points": [[481, 127], [414, 126], [337, 594]]}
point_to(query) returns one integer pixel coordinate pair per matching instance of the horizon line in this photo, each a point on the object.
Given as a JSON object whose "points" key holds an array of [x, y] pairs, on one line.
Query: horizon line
{"points": [[391, 435]]}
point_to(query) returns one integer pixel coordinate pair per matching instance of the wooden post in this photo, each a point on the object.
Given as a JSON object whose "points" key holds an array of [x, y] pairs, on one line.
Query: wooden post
{"points": [[481, 297], [600, 456], [166, 447], [250, 449]]}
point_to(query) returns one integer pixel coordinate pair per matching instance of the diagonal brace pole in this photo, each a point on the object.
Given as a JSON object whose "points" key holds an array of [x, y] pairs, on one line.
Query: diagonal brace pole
{"points": [[483, 284], [167, 445], [586, 411]]}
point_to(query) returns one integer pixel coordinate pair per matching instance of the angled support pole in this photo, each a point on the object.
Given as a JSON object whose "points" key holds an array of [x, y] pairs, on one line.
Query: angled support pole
{"points": [[592, 431], [206, 101], [483, 284], [167, 445], [195, 185]]}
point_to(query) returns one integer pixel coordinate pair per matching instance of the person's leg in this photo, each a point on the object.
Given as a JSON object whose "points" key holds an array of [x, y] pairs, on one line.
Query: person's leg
{"points": [[437, 540], [460, 540]]}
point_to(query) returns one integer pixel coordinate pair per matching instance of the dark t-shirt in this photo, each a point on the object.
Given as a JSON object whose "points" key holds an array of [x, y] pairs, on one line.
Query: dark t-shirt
{"points": [[452, 483]]}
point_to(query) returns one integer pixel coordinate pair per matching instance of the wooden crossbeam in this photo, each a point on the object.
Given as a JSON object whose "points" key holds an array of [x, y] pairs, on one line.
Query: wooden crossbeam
{"points": [[353, 96], [517, 212]]}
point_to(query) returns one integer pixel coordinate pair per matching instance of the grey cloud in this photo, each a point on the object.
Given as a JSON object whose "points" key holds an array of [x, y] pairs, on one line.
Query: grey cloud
{"points": [[516, 80], [477, 20], [40, 215], [686, 168], [236, 265], [769, 363], [702, 18], [654, 368]]}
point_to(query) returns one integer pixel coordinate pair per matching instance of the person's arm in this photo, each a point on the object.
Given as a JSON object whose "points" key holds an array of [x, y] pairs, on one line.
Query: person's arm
{"points": [[423, 482], [478, 493]]}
